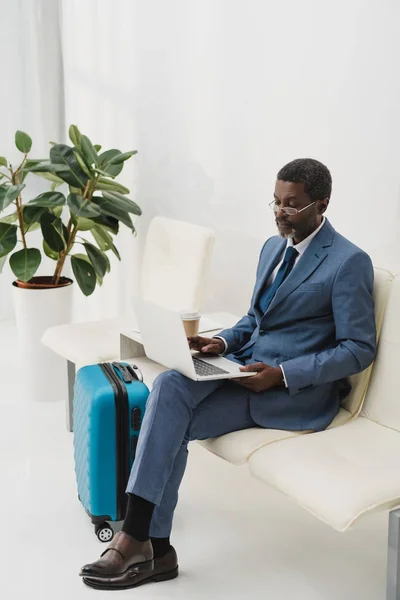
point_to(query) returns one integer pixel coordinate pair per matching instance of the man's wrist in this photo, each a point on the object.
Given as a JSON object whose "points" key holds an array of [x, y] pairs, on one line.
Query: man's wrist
{"points": [[224, 343], [280, 380]]}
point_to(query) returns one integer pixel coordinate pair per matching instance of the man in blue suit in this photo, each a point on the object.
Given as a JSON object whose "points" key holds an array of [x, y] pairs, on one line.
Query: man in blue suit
{"points": [[309, 327]]}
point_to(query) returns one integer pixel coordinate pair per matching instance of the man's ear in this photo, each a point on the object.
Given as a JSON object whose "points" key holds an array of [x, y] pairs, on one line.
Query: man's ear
{"points": [[324, 205]]}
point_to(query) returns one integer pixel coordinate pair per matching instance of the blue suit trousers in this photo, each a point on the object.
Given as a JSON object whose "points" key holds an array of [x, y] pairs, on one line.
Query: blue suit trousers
{"points": [[178, 411]]}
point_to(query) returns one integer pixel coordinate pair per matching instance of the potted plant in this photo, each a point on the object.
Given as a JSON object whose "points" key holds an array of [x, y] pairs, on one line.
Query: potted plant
{"points": [[78, 223]]}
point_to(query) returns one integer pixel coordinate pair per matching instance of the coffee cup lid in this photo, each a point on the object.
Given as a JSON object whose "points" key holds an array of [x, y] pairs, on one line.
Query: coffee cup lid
{"points": [[189, 315]]}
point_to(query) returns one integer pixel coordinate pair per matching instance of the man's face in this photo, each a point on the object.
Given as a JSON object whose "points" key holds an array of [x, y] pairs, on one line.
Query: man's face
{"points": [[301, 225]]}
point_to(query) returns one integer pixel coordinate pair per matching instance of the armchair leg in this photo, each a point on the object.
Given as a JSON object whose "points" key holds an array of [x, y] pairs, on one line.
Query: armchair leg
{"points": [[70, 402], [393, 564]]}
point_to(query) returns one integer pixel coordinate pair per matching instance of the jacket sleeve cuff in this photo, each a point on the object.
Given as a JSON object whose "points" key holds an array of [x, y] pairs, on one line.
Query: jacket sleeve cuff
{"points": [[225, 343], [283, 374], [297, 376]]}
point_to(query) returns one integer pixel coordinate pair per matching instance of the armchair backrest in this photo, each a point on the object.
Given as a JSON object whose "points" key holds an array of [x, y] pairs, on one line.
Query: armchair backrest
{"points": [[175, 263]]}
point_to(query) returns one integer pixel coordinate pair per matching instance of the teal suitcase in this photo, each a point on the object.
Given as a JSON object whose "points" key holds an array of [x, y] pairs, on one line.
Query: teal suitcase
{"points": [[109, 405]]}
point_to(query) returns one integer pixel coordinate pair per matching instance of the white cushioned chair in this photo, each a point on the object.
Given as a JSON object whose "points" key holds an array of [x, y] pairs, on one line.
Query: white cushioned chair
{"points": [[352, 468], [237, 447], [175, 263]]}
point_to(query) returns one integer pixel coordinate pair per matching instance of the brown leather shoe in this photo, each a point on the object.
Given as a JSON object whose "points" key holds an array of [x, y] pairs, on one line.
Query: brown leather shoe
{"points": [[165, 568], [124, 558]]}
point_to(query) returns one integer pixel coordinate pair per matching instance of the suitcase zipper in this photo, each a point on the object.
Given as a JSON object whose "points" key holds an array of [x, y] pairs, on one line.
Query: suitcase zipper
{"points": [[122, 437]]}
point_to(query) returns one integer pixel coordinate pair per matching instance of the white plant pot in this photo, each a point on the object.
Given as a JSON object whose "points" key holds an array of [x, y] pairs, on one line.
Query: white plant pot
{"points": [[43, 371]]}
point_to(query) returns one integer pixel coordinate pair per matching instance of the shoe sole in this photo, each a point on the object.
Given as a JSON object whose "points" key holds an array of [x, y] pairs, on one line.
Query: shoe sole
{"points": [[114, 586]]}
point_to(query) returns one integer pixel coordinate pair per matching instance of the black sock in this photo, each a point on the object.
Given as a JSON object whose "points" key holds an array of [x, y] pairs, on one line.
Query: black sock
{"points": [[160, 546], [138, 517]]}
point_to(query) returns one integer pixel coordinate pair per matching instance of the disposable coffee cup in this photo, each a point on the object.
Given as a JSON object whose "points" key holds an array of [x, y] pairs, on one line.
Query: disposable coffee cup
{"points": [[191, 322]]}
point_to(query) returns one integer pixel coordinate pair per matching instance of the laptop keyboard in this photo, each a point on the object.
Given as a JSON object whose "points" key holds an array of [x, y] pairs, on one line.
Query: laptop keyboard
{"points": [[205, 368]]}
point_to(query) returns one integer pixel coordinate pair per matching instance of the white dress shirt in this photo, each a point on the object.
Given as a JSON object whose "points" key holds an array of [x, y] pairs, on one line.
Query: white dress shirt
{"points": [[301, 247]]}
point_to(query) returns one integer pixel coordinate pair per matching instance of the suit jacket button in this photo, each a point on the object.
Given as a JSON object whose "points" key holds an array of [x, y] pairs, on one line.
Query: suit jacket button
{"points": [[262, 332]]}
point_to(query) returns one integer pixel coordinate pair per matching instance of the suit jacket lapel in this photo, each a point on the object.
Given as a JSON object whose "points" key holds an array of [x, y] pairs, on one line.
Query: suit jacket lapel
{"points": [[270, 263], [314, 255]]}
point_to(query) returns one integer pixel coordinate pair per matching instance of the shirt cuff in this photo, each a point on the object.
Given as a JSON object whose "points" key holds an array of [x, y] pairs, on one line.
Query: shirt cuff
{"points": [[284, 376], [225, 342]]}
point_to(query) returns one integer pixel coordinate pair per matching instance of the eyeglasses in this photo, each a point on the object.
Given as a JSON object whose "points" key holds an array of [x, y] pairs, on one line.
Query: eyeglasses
{"points": [[288, 210]]}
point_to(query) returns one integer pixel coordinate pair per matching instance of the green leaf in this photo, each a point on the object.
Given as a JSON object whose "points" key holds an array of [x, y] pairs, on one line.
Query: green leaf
{"points": [[110, 186], [8, 238], [3, 261], [117, 254], [3, 161], [52, 232], [82, 164], [112, 170], [110, 223], [8, 193], [89, 152], [120, 158], [97, 170], [23, 142], [102, 237], [33, 162], [10, 218], [57, 211], [104, 240], [25, 263], [108, 269], [97, 258], [60, 154], [45, 167], [83, 224], [55, 185], [48, 200], [49, 252], [81, 207], [123, 202], [53, 178], [84, 274], [75, 135], [97, 147], [109, 208], [28, 165], [61, 230], [32, 215]]}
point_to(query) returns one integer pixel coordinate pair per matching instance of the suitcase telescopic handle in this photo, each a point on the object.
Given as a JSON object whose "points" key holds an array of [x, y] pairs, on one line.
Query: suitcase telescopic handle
{"points": [[128, 373]]}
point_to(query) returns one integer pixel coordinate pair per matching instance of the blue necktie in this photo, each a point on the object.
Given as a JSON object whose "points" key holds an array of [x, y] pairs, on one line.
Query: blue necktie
{"points": [[284, 270]]}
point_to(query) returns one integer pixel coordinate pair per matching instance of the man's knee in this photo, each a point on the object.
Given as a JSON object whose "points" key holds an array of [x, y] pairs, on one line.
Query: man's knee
{"points": [[169, 378]]}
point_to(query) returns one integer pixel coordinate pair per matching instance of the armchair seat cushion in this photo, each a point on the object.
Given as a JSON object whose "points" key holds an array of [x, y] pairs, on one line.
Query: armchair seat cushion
{"points": [[337, 474], [86, 343], [238, 446]]}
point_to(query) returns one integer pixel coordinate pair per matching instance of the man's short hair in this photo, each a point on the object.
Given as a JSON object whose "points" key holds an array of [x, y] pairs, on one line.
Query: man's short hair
{"points": [[315, 176]]}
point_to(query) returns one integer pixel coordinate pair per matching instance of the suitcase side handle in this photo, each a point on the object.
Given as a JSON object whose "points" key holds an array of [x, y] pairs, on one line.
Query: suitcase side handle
{"points": [[128, 373]]}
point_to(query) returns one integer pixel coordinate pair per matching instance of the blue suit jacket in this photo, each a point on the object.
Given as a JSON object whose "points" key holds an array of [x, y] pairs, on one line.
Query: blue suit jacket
{"points": [[320, 326]]}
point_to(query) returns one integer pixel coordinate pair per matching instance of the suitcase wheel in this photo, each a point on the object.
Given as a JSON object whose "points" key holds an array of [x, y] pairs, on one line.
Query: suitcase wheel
{"points": [[104, 532]]}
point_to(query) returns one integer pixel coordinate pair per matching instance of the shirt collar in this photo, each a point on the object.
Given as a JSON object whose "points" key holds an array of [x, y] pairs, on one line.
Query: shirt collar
{"points": [[301, 247]]}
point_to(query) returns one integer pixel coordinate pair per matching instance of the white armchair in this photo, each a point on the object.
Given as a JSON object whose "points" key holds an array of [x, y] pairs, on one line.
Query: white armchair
{"points": [[352, 468], [175, 263]]}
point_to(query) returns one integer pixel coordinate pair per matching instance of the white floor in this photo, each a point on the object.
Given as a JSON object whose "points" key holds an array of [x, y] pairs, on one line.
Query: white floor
{"points": [[235, 537]]}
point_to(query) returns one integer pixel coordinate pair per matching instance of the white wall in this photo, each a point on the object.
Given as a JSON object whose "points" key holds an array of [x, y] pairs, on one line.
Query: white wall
{"points": [[229, 91], [217, 95]]}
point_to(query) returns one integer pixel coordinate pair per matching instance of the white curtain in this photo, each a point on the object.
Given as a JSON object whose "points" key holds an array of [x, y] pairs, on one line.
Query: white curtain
{"points": [[56, 72], [31, 96], [99, 67]]}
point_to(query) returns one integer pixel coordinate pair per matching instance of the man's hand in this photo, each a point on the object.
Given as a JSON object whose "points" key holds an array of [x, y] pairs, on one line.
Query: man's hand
{"points": [[267, 377], [206, 345]]}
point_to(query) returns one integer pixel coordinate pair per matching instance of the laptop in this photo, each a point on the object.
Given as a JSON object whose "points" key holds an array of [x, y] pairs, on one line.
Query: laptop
{"points": [[164, 340]]}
